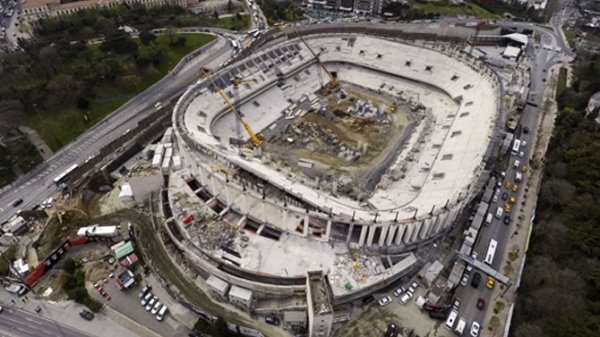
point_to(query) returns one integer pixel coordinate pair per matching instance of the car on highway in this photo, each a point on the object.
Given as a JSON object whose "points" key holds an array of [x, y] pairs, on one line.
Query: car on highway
{"points": [[507, 208], [385, 301], [516, 163], [521, 154], [515, 187], [526, 129], [524, 169], [524, 143], [506, 220], [475, 280], [151, 303], [475, 329], [512, 200], [399, 291], [17, 202], [1, 309], [144, 291], [88, 315], [480, 303], [490, 282], [465, 280], [504, 196], [406, 297], [507, 184]]}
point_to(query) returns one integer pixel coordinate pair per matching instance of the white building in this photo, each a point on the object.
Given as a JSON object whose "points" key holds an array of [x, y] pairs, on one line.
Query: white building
{"points": [[217, 286], [241, 297]]}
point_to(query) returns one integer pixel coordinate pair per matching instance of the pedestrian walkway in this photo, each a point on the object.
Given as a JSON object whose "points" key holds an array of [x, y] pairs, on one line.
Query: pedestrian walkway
{"points": [[37, 141], [66, 313]]}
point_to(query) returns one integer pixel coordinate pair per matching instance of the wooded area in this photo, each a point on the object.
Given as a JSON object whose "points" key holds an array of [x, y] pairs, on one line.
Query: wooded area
{"points": [[77, 69], [560, 290]]}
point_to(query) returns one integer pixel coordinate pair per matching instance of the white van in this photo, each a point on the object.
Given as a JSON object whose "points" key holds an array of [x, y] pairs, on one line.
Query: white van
{"points": [[499, 212], [488, 219], [451, 319], [161, 314]]}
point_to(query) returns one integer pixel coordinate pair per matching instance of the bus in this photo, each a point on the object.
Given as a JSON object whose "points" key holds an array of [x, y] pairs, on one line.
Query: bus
{"points": [[250, 32], [64, 177], [491, 251], [516, 147]]}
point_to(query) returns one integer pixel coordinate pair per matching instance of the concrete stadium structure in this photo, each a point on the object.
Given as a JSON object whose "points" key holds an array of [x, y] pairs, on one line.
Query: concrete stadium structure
{"points": [[298, 226]]}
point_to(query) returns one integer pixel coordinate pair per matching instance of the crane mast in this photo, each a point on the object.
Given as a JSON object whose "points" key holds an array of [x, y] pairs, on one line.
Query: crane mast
{"points": [[333, 82], [255, 141]]}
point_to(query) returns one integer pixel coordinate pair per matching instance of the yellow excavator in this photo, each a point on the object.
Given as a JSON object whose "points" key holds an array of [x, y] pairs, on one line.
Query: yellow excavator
{"points": [[333, 82], [255, 141]]}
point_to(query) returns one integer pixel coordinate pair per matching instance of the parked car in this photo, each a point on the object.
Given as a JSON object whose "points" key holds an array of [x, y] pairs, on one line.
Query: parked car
{"points": [[151, 303], [504, 196], [156, 308], [469, 268], [490, 282], [399, 291], [144, 290], [368, 299], [475, 329], [146, 298], [456, 304], [407, 296], [475, 280], [465, 280], [86, 315], [526, 129], [506, 220], [480, 303], [272, 320], [392, 330], [385, 301]]}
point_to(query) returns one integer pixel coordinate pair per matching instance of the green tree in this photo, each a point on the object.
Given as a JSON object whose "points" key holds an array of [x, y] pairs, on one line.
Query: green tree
{"points": [[131, 81], [69, 265], [146, 37], [238, 16]]}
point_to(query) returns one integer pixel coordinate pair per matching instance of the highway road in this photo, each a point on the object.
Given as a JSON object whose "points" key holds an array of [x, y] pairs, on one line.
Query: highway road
{"points": [[38, 185], [16, 323]]}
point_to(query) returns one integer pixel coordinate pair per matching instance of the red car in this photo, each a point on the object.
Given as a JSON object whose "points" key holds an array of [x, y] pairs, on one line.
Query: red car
{"points": [[102, 292], [480, 303], [107, 296]]}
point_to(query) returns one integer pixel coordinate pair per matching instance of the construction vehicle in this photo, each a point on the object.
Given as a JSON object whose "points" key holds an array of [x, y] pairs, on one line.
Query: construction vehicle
{"points": [[333, 82], [255, 141]]}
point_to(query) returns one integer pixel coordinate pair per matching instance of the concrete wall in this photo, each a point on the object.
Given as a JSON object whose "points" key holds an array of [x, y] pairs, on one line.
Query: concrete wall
{"points": [[142, 186]]}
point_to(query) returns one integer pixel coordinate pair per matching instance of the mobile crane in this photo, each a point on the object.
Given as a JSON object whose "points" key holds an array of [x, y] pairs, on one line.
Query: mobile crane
{"points": [[236, 91], [333, 82], [255, 141]]}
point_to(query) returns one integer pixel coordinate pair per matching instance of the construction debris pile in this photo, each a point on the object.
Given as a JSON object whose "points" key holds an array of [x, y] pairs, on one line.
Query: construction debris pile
{"points": [[354, 270], [212, 235], [366, 109]]}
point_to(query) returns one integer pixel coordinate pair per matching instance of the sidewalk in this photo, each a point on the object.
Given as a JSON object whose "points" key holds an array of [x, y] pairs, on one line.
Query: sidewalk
{"points": [[67, 314], [520, 227]]}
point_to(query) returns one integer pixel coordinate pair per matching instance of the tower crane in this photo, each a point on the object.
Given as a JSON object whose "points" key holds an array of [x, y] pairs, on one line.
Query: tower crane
{"points": [[236, 104], [333, 82], [255, 141]]}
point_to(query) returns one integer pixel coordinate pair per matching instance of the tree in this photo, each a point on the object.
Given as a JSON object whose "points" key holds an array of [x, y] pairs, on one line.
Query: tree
{"points": [[229, 6], [216, 15], [69, 265], [82, 103], [131, 81], [146, 37], [238, 16]]}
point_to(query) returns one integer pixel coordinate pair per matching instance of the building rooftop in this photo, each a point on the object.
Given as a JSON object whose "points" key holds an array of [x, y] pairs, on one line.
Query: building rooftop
{"points": [[318, 292], [240, 293]]}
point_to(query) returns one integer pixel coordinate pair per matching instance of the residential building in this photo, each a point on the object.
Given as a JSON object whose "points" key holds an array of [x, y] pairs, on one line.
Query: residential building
{"points": [[320, 310], [241, 297]]}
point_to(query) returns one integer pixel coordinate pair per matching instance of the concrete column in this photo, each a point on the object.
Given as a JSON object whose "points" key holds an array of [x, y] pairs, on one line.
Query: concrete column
{"points": [[390, 235], [349, 236], [228, 194], [202, 178], [284, 217], [264, 211], [371, 235], [212, 184], [328, 231], [363, 234], [384, 233], [245, 199], [305, 233]]}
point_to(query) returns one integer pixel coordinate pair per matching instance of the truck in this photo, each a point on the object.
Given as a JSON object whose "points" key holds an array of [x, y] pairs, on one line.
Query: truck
{"points": [[17, 289], [460, 327]]}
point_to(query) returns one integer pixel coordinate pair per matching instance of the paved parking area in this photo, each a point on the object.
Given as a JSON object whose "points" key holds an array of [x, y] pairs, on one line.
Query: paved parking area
{"points": [[128, 303]]}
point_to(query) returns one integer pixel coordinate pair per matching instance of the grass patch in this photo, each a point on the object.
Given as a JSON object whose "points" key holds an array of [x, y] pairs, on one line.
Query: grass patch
{"points": [[498, 307], [232, 23], [561, 84], [447, 9], [68, 123]]}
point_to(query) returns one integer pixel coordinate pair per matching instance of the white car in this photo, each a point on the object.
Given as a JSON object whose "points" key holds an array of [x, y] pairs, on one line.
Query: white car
{"points": [[524, 143], [413, 287], [399, 291], [469, 268], [475, 329], [156, 308], [474, 255], [465, 280], [521, 154], [407, 296], [150, 304], [385, 301]]}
